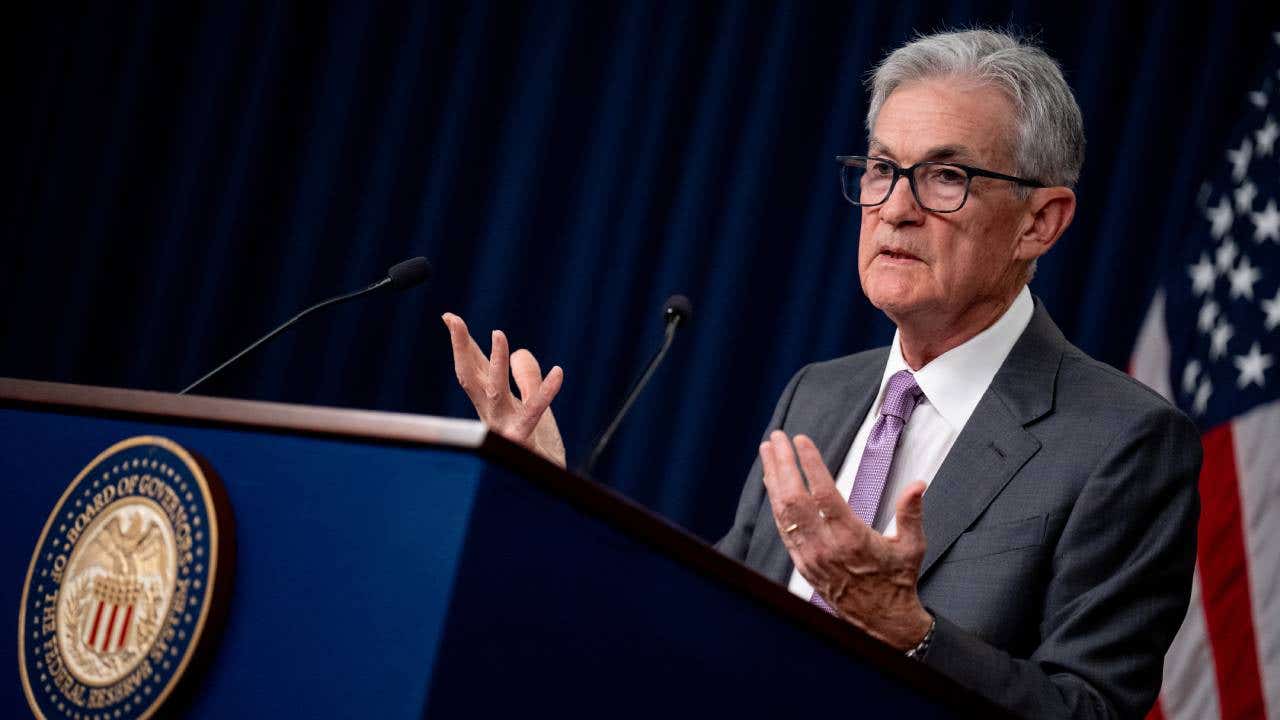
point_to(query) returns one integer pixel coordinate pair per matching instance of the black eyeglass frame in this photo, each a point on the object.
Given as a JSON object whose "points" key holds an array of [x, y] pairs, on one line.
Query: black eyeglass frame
{"points": [[909, 172]]}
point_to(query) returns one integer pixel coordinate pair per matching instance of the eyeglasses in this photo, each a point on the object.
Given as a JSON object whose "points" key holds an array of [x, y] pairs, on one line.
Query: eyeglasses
{"points": [[938, 187]]}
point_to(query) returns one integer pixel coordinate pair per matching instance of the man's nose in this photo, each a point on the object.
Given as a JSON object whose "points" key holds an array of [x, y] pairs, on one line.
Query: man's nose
{"points": [[901, 208]]}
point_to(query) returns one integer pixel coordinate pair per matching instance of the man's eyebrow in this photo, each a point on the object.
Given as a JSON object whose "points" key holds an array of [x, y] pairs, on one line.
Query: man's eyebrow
{"points": [[938, 153], [949, 152]]}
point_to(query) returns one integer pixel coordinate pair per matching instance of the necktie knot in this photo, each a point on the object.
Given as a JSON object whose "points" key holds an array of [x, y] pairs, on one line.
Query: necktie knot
{"points": [[901, 396]]}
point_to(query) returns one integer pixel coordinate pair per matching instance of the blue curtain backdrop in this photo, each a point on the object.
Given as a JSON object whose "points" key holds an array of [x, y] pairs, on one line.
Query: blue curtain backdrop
{"points": [[179, 177]]}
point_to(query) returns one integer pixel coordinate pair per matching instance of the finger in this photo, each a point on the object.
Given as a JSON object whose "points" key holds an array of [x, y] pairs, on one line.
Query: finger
{"points": [[469, 361], [773, 488], [835, 515], [788, 498], [789, 479], [821, 484], [527, 372], [542, 397], [464, 347], [499, 366], [550, 387], [769, 467], [910, 519]]}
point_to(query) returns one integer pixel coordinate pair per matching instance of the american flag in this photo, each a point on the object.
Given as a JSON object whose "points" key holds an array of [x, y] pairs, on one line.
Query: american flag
{"points": [[1211, 344]]}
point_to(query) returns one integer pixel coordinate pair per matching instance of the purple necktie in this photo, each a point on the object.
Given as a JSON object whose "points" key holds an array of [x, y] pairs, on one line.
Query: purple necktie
{"points": [[900, 398]]}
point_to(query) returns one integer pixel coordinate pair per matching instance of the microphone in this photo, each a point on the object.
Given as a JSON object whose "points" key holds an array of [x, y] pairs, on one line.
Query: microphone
{"points": [[676, 311], [401, 276]]}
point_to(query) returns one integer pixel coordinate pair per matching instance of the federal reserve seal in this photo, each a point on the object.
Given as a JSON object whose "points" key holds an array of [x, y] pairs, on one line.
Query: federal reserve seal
{"points": [[122, 584]]}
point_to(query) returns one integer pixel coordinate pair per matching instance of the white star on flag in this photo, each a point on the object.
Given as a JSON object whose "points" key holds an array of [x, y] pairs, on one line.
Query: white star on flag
{"points": [[1266, 137], [1221, 218], [1208, 316], [1258, 98], [1272, 309], [1239, 159], [1218, 339], [1242, 279], [1226, 255], [1253, 366], [1202, 395], [1189, 375], [1202, 275], [1244, 196], [1266, 224]]}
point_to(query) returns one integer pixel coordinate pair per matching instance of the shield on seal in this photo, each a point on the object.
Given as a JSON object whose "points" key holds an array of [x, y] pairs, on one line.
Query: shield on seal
{"points": [[106, 627]]}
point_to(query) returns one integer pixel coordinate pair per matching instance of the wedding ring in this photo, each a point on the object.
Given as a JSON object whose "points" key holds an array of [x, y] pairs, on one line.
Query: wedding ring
{"points": [[791, 528]]}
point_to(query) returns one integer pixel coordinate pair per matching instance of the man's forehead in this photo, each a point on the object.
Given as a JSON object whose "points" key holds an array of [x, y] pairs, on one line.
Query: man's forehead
{"points": [[944, 120]]}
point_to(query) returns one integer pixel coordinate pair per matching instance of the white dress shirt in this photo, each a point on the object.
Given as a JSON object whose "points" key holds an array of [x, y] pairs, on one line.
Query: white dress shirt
{"points": [[952, 383]]}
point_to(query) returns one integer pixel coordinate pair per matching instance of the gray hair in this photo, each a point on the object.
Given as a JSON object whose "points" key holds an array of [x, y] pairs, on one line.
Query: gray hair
{"points": [[1049, 143]]}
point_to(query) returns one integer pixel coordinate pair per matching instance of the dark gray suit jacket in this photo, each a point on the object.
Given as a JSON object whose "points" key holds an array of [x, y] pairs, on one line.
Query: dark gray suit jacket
{"points": [[1061, 527]]}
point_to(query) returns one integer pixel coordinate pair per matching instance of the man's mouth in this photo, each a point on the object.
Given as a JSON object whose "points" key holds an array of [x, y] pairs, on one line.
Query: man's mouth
{"points": [[897, 254]]}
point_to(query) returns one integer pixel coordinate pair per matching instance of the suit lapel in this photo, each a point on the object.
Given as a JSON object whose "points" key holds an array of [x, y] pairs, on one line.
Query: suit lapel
{"points": [[992, 447], [994, 444], [835, 432]]}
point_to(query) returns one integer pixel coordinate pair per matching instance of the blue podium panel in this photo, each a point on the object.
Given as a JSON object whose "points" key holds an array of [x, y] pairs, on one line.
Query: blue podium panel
{"points": [[346, 557], [558, 610]]}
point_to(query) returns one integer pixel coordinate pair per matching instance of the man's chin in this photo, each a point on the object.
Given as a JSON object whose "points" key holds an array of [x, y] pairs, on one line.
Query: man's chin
{"points": [[893, 298]]}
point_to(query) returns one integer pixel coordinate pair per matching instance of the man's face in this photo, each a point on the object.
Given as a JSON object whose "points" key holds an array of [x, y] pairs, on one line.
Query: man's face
{"points": [[912, 261]]}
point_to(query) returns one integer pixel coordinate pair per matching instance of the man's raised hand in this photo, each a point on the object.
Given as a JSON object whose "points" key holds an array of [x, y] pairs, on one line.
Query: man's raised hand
{"points": [[526, 419], [867, 578]]}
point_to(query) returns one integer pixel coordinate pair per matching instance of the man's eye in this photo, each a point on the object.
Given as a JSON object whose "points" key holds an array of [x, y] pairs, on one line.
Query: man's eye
{"points": [[946, 175], [881, 168]]}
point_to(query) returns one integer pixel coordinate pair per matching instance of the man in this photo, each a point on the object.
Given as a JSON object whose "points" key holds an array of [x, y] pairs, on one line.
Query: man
{"points": [[1049, 564]]}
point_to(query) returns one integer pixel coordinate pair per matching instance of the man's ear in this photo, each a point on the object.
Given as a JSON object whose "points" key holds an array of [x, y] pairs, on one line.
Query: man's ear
{"points": [[1049, 212]]}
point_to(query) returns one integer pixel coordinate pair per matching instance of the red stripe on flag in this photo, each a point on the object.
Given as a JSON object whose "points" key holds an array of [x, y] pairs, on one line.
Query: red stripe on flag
{"points": [[1224, 575], [128, 614], [111, 622], [93, 634]]}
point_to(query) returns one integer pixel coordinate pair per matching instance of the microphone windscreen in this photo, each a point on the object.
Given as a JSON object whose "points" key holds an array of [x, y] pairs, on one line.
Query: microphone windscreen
{"points": [[408, 273], [678, 306]]}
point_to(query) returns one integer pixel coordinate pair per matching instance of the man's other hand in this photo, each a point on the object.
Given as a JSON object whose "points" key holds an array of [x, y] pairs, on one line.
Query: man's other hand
{"points": [[526, 419], [869, 579]]}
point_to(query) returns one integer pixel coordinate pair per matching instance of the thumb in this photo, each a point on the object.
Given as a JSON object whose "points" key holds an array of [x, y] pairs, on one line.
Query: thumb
{"points": [[910, 518]]}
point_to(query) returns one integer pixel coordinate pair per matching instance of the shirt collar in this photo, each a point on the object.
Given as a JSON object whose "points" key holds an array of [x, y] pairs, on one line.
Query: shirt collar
{"points": [[956, 380]]}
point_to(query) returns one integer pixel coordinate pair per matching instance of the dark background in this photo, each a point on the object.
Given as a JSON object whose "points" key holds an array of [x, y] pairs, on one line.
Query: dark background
{"points": [[179, 177]]}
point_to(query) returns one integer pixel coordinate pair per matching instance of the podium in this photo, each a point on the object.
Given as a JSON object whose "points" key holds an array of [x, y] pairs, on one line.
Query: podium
{"points": [[400, 566]]}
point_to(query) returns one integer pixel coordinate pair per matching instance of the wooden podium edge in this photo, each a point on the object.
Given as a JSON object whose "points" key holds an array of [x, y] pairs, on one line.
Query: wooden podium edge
{"points": [[580, 492], [213, 411]]}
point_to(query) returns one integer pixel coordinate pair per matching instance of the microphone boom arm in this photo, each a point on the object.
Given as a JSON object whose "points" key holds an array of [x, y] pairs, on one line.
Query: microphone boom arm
{"points": [[598, 448], [284, 326]]}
